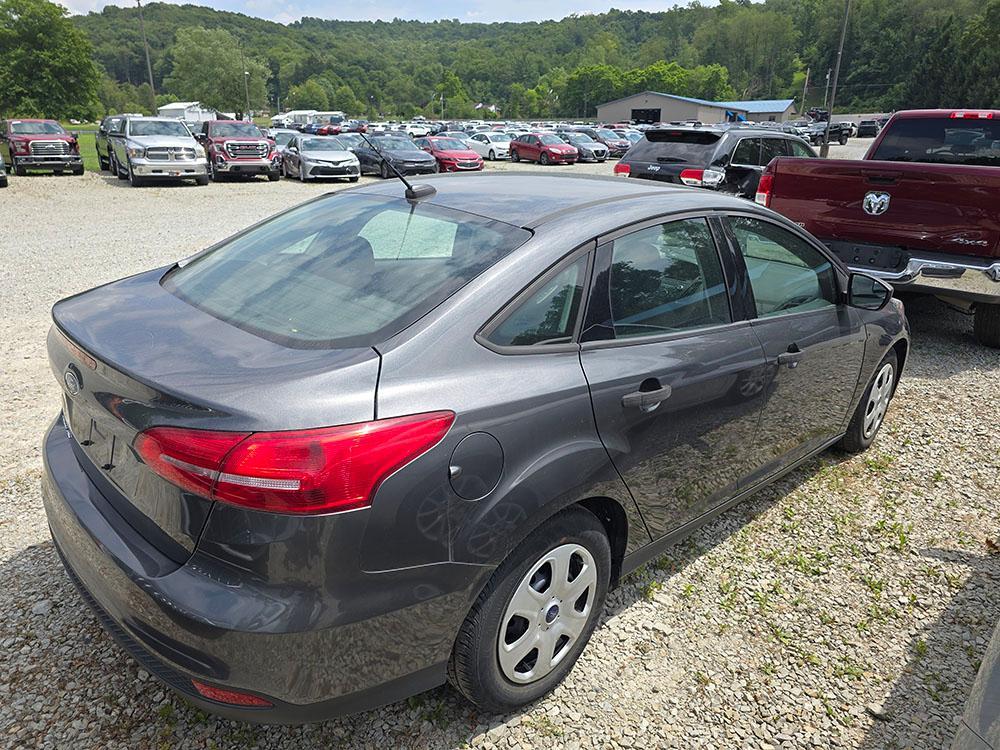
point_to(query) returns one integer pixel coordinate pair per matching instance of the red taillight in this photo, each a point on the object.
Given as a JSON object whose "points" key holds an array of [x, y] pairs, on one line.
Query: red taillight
{"points": [[623, 169], [692, 177], [232, 697], [764, 189], [966, 115], [327, 470]]}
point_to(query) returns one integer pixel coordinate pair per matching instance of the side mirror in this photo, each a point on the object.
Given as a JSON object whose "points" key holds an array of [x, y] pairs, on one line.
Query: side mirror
{"points": [[867, 292]]}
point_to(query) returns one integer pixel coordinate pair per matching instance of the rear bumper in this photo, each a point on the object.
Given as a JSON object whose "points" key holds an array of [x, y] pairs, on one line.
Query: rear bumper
{"points": [[320, 643], [958, 276]]}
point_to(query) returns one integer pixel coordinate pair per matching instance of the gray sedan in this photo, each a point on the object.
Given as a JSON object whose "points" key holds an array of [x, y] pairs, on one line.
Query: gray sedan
{"points": [[311, 157], [397, 437]]}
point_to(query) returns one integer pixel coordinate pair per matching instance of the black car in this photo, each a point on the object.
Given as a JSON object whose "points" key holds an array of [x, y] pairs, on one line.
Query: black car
{"points": [[391, 438], [816, 132], [868, 128], [399, 149], [727, 159]]}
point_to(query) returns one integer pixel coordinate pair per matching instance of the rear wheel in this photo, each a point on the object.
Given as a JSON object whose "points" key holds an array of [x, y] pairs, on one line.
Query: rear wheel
{"points": [[869, 415], [986, 325], [535, 616]]}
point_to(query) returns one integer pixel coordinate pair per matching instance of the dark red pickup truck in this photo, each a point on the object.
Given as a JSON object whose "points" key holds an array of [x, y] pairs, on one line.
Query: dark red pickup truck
{"points": [[920, 211]]}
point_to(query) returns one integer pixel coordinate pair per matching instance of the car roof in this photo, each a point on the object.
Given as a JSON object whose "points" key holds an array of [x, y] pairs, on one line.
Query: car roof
{"points": [[529, 200]]}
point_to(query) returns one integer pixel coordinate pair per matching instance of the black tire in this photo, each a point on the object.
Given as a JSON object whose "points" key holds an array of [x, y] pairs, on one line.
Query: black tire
{"points": [[543, 159], [353, 179], [301, 173], [843, 139], [3, 181], [133, 180], [474, 669], [986, 325], [491, 156], [18, 169], [273, 176], [383, 171], [201, 179], [78, 170], [514, 156], [116, 168], [103, 164], [856, 440]]}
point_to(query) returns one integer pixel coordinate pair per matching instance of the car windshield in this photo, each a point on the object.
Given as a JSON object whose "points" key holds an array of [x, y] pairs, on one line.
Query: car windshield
{"points": [[36, 128], [351, 140], [158, 127], [236, 130], [578, 139], [449, 144], [283, 137], [325, 143], [499, 137], [453, 134], [396, 144], [609, 134], [942, 140], [551, 140], [346, 270]]}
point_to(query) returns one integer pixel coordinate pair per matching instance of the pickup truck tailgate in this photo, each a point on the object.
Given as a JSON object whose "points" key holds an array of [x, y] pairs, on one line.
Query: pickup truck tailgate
{"points": [[933, 207]]}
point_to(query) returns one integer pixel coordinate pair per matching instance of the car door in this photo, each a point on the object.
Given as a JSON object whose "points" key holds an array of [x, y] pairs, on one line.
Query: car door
{"points": [[674, 369], [813, 342], [480, 144], [533, 147], [744, 170]]}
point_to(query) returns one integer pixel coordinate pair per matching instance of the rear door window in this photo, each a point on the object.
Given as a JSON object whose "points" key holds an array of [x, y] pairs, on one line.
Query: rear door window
{"points": [[800, 149], [747, 152], [344, 270], [771, 148]]}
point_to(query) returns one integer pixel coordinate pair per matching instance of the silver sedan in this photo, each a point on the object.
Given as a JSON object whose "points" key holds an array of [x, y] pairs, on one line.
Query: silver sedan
{"points": [[310, 157]]}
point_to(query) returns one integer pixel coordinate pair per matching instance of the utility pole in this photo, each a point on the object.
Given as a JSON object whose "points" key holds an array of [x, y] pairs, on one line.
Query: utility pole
{"points": [[246, 77], [145, 45], [805, 87], [442, 105], [826, 91], [825, 150]]}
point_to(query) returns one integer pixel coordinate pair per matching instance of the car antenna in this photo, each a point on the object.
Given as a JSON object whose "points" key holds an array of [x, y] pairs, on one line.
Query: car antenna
{"points": [[413, 192]]}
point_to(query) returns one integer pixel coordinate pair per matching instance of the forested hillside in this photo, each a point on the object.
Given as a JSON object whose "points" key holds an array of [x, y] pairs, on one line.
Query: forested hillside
{"points": [[899, 53]]}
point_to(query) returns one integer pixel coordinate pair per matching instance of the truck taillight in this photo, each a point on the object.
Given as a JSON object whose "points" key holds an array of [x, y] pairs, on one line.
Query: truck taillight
{"points": [[967, 115], [764, 190], [325, 470]]}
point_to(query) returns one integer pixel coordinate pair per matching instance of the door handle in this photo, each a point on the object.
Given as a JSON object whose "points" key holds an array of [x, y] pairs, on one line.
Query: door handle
{"points": [[646, 400], [792, 357]]}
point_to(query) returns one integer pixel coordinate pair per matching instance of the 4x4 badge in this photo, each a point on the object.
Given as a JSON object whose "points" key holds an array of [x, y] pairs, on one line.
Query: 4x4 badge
{"points": [[876, 204]]}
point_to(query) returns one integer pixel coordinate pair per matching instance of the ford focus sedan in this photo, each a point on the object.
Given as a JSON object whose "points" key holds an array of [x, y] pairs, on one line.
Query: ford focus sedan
{"points": [[376, 443]]}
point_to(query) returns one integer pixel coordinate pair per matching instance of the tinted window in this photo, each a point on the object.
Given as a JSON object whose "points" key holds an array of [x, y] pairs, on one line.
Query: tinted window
{"points": [[800, 149], [158, 127], [667, 278], [770, 148], [236, 130], [549, 314], [942, 141], [747, 152], [675, 146], [347, 270], [787, 274]]}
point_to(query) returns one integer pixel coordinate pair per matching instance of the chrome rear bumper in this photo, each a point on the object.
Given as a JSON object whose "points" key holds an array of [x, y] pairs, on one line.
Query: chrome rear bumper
{"points": [[969, 278]]}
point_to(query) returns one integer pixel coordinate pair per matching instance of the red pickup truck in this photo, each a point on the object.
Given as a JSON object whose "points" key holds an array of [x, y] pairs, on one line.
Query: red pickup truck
{"points": [[920, 211]]}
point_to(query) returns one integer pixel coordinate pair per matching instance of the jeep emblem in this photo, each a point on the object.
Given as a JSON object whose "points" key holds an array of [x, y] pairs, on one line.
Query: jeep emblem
{"points": [[876, 204]]}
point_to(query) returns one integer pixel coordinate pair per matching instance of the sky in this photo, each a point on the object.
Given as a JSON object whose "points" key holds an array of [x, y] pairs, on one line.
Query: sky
{"points": [[286, 11]]}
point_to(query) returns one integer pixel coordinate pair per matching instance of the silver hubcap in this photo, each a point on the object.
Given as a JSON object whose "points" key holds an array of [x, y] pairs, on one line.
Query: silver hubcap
{"points": [[547, 613], [878, 400]]}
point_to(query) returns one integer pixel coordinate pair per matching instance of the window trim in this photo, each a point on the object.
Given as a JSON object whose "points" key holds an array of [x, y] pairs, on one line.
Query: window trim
{"points": [[605, 250], [741, 165], [839, 274], [482, 335]]}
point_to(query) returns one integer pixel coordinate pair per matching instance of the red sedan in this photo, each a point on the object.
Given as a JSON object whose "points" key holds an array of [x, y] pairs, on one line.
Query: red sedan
{"points": [[452, 155], [545, 148]]}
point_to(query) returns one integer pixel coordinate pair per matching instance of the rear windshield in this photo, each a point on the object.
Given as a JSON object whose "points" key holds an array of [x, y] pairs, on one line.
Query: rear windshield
{"points": [[942, 141], [342, 271], [675, 146]]}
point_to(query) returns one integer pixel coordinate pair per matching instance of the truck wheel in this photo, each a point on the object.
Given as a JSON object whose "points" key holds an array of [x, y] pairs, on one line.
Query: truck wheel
{"points": [[78, 170], [529, 625], [18, 169], [871, 411], [986, 325], [3, 181], [843, 139], [117, 168], [273, 176], [133, 180], [201, 179], [102, 164]]}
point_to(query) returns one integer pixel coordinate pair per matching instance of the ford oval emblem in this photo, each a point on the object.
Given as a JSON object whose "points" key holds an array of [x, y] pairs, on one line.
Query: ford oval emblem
{"points": [[876, 204], [72, 380]]}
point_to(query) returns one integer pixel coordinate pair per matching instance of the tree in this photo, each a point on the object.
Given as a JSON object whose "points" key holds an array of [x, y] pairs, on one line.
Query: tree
{"points": [[307, 95], [47, 66], [209, 65]]}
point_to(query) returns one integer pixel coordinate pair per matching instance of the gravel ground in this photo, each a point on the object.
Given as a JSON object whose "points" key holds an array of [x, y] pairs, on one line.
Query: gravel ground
{"points": [[846, 606]]}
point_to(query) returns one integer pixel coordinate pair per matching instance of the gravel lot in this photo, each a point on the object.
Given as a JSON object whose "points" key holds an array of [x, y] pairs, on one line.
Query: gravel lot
{"points": [[846, 606]]}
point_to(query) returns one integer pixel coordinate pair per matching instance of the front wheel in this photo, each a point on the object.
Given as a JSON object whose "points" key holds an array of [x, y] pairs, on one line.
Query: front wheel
{"points": [[133, 180], [514, 156], [986, 325], [273, 176], [18, 169], [843, 140], [384, 171], [543, 159], [870, 414], [78, 170], [535, 616], [201, 179], [492, 155]]}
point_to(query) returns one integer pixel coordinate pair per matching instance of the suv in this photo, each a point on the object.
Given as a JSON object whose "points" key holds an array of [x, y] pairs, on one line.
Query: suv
{"points": [[816, 132], [158, 148], [110, 124], [617, 145], [238, 148], [727, 159], [40, 144]]}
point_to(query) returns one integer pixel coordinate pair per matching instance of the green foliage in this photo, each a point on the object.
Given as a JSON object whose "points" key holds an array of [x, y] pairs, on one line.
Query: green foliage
{"points": [[209, 65], [46, 63], [308, 95]]}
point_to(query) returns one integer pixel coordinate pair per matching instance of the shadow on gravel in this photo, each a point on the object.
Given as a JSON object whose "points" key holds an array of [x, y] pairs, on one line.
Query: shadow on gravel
{"points": [[942, 340], [924, 703]]}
